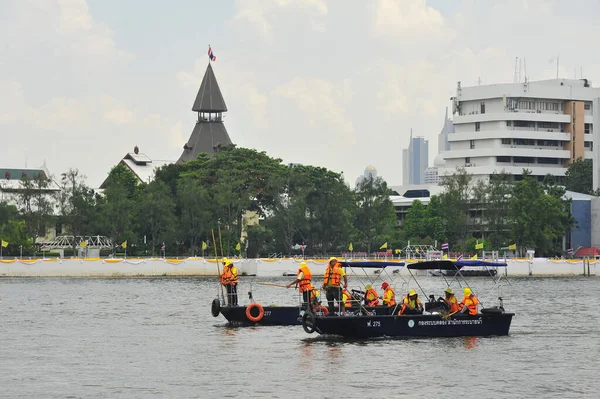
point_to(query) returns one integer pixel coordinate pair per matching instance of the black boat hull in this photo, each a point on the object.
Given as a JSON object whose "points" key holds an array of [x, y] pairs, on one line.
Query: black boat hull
{"points": [[279, 315], [414, 325]]}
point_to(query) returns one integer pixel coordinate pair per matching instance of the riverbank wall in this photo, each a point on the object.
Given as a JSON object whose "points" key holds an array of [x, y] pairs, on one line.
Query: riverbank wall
{"points": [[133, 267]]}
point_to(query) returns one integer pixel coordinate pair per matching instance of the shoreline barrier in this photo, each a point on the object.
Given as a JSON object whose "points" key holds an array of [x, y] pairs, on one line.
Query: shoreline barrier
{"points": [[197, 266]]}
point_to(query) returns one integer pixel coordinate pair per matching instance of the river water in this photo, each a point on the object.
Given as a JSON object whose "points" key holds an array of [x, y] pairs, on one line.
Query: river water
{"points": [[155, 337]]}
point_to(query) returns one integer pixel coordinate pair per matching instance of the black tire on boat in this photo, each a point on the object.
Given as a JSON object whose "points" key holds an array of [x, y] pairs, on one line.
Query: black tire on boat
{"points": [[308, 322], [492, 310], [215, 308]]}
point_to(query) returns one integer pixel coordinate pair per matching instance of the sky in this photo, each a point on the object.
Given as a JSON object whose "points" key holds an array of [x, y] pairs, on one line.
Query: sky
{"points": [[337, 83]]}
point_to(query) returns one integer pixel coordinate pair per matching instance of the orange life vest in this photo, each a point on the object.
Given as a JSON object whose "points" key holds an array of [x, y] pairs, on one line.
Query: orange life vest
{"points": [[372, 298], [408, 304], [346, 298], [229, 276], [389, 297], [452, 304], [304, 284], [332, 276], [470, 302]]}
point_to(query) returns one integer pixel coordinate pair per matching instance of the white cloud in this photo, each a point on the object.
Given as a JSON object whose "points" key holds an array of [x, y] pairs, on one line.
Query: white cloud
{"points": [[119, 116], [318, 100], [409, 20], [264, 15]]}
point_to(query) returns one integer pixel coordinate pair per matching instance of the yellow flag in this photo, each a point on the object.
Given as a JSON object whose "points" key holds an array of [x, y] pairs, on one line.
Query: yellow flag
{"points": [[238, 247], [479, 246], [124, 245], [417, 249], [398, 251], [204, 246], [512, 247], [83, 244], [445, 257], [474, 257], [350, 247], [384, 246], [4, 244]]}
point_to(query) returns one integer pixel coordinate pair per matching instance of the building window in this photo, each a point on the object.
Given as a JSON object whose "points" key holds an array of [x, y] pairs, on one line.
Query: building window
{"points": [[523, 160], [587, 128], [525, 104], [524, 124], [483, 108], [503, 159], [548, 126], [506, 141], [472, 144], [477, 126], [587, 106], [468, 161], [548, 161], [509, 123]]}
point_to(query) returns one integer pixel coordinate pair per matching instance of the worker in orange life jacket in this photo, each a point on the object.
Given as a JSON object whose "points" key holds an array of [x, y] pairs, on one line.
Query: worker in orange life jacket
{"points": [[333, 284], [347, 298], [229, 278], [304, 283], [411, 304], [389, 296], [451, 301], [371, 296], [469, 302]]}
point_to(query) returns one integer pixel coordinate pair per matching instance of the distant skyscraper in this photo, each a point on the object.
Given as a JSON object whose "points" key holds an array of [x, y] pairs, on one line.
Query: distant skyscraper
{"points": [[448, 128], [415, 160], [370, 173]]}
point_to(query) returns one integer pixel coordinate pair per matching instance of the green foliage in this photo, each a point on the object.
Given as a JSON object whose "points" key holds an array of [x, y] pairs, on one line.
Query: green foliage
{"points": [[375, 218], [538, 219], [579, 176]]}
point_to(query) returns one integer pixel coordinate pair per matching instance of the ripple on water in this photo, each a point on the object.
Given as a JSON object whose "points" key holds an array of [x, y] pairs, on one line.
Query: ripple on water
{"points": [[156, 338]]}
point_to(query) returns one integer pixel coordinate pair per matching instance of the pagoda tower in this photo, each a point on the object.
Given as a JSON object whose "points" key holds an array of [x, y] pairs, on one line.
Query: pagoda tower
{"points": [[209, 134]]}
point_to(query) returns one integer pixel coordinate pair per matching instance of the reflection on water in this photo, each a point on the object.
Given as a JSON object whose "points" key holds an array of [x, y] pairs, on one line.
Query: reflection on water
{"points": [[306, 356], [471, 342], [156, 337]]}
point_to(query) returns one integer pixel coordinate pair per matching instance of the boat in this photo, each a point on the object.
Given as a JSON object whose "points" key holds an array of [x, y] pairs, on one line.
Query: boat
{"points": [[434, 322], [256, 314], [471, 268]]}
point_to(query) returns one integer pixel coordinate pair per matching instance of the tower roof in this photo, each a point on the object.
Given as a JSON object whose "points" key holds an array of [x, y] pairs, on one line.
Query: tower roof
{"points": [[209, 97], [206, 137]]}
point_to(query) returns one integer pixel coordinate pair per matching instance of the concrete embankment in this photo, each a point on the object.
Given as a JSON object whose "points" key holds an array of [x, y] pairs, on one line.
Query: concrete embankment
{"points": [[131, 267]]}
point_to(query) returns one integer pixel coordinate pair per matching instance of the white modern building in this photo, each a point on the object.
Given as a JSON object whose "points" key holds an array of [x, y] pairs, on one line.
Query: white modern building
{"points": [[541, 126]]}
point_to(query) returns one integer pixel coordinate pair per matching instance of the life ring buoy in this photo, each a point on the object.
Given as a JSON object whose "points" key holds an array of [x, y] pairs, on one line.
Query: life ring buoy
{"points": [[259, 316], [324, 310], [215, 308], [308, 322]]}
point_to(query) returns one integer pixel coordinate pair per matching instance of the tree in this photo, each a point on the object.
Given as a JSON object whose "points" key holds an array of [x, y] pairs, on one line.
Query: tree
{"points": [[34, 198], [195, 211], [538, 219], [579, 175], [413, 225], [375, 217], [496, 215], [456, 201], [76, 205], [156, 211]]}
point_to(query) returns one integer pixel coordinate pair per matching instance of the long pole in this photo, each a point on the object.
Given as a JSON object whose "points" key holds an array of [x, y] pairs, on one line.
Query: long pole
{"points": [[217, 261], [221, 240]]}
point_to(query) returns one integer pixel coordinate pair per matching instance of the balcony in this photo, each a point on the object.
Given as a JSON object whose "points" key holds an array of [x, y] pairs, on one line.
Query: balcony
{"points": [[557, 117]]}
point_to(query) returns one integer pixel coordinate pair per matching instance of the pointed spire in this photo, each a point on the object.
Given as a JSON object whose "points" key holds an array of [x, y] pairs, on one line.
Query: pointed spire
{"points": [[209, 97]]}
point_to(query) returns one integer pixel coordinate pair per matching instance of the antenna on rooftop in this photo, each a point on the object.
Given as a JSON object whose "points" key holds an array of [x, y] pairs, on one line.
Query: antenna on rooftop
{"points": [[557, 59], [516, 63]]}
